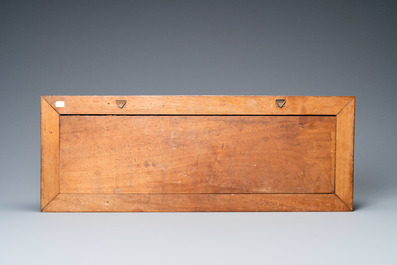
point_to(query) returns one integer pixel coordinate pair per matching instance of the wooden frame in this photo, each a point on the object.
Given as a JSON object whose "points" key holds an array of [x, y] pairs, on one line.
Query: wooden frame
{"points": [[54, 201]]}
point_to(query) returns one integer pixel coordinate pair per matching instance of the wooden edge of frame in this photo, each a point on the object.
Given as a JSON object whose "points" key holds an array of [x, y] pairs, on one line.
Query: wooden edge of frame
{"points": [[195, 203], [198, 105], [49, 135], [345, 154]]}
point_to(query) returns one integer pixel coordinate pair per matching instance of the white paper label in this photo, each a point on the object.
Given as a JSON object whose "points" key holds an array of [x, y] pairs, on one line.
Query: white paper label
{"points": [[60, 104]]}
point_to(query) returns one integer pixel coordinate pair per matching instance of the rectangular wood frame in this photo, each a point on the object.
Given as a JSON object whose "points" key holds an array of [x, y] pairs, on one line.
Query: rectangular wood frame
{"points": [[54, 201]]}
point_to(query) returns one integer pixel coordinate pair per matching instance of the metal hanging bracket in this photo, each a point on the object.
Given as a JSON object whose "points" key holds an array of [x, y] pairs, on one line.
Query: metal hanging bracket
{"points": [[280, 102], [121, 103]]}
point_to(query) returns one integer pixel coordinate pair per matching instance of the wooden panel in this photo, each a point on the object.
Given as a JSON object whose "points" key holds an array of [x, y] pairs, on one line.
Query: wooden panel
{"points": [[345, 154], [220, 105], [49, 153], [195, 203], [225, 161], [197, 154]]}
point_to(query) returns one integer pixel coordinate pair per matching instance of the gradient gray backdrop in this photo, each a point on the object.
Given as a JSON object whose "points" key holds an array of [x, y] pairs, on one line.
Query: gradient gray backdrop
{"points": [[198, 48]]}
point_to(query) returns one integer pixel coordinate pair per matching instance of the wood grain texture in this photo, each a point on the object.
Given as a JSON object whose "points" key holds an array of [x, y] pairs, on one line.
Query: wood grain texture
{"points": [[49, 153], [233, 166], [345, 154], [195, 203], [197, 154], [200, 105]]}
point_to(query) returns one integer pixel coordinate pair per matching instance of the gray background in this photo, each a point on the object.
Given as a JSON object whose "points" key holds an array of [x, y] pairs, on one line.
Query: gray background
{"points": [[198, 48]]}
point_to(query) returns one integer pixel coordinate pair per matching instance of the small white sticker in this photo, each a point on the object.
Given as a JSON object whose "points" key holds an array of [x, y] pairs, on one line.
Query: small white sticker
{"points": [[60, 104]]}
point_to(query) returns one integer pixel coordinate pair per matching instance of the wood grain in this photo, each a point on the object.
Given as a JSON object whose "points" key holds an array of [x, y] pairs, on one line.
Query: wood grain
{"points": [[197, 154], [195, 203], [200, 105], [345, 154], [49, 153]]}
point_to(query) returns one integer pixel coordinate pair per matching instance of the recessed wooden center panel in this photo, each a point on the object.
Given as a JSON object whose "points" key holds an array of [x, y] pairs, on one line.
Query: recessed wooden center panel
{"points": [[105, 154]]}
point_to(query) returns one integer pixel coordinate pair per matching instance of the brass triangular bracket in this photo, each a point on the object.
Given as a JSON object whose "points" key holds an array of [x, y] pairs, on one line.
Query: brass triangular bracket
{"points": [[121, 103], [280, 102]]}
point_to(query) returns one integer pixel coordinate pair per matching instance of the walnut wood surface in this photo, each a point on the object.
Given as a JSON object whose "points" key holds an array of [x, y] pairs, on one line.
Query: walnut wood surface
{"points": [[197, 154]]}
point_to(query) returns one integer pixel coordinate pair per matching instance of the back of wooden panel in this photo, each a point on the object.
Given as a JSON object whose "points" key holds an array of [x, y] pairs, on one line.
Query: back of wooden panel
{"points": [[196, 154]]}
